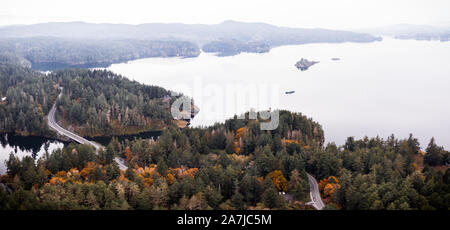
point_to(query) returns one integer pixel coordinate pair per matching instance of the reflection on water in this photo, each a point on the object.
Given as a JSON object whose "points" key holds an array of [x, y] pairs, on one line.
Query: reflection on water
{"points": [[144, 135], [35, 147]]}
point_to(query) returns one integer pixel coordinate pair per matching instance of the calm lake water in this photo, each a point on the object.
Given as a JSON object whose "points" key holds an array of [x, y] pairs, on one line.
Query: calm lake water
{"points": [[389, 87]]}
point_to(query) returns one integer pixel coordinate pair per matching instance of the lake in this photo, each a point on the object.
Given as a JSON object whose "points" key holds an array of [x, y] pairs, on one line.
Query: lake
{"points": [[25, 146], [381, 88]]}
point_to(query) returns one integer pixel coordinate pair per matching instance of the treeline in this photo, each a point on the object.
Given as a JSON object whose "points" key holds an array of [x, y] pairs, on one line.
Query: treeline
{"points": [[49, 53], [233, 47], [383, 174], [93, 102]]}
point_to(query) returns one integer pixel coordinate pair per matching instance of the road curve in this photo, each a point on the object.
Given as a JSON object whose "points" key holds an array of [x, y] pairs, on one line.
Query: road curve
{"points": [[316, 200], [63, 132]]}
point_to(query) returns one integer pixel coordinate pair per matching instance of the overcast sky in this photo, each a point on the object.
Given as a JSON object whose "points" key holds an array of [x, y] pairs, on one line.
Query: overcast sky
{"points": [[339, 14]]}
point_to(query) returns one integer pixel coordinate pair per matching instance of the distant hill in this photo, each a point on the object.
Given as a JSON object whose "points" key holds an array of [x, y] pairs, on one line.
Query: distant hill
{"points": [[49, 53], [198, 33], [439, 32], [80, 44]]}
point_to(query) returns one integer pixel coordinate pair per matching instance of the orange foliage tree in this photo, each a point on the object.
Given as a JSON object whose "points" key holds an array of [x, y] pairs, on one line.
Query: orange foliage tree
{"points": [[57, 180], [183, 171], [128, 154], [87, 171], [278, 180], [238, 139], [170, 178], [147, 174], [329, 186], [61, 174]]}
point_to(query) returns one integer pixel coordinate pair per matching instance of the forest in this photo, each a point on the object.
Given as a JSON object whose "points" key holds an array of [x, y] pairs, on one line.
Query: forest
{"points": [[93, 103], [29, 95], [233, 47], [101, 103], [234, 165], [50, 53]]}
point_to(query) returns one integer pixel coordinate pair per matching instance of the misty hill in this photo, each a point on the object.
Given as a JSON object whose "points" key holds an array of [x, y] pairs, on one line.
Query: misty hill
{"points": [[199, 33], [417, 32], [80, 44]]}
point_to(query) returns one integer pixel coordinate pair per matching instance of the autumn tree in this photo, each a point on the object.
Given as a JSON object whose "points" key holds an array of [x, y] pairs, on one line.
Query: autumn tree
{"points": [[278, 180]]}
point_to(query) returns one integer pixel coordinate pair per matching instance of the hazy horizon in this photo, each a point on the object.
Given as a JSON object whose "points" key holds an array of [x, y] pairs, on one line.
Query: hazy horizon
{"points": [[330, 14]]}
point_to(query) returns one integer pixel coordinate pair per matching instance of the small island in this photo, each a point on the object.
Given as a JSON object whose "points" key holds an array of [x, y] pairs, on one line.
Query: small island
{"points": [[290, 92], [304, 64]]}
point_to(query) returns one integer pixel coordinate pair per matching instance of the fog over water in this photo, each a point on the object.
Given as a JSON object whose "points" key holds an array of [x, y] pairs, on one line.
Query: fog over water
{"points": [[390, 87]]}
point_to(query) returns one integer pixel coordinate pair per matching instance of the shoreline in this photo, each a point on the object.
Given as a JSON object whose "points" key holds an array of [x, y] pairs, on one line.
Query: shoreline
{"points": [[66, 140]]}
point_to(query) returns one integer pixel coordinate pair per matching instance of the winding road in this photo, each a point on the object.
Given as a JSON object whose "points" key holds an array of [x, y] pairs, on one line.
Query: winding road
{"points": [[316, 200], [51, 121]]}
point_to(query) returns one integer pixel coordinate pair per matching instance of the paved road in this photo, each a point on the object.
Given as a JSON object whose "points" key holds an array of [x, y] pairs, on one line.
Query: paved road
{"points": [[121, 163], [63, 132], [316, 200]]}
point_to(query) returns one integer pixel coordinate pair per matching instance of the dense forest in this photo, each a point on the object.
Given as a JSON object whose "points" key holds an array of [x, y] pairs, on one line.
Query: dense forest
{"points": [[383, 174], [93, 102], [227, 166], [27, 97], [49, 53], [99, 103], [234, 165]]}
